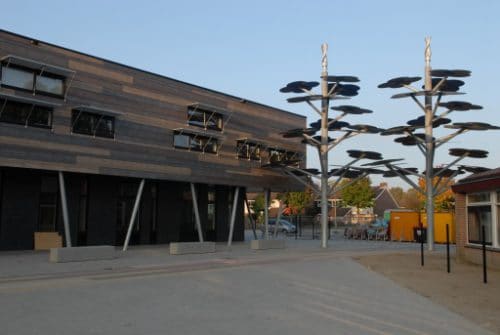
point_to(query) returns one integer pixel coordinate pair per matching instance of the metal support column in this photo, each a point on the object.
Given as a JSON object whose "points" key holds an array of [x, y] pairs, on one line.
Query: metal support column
{"points": [[266, 213], [233, 216], [64, 205], [324, 147], [134, 214], [196, 212], [429, 146]]}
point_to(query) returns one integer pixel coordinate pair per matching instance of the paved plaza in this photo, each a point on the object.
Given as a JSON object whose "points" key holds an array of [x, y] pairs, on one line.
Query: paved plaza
{"points": [[300, 290]]}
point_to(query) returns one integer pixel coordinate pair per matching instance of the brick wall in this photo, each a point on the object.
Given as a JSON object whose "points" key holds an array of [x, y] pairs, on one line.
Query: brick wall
{"points": [[460, 224]]}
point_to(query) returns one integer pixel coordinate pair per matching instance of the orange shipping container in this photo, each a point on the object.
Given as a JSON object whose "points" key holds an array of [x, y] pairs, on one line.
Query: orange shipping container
{"points": [[440, 221], [401, 224]]}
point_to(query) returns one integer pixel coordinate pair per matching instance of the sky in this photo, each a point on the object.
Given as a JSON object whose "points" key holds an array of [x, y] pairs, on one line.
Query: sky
{"points": [[251, 49]]}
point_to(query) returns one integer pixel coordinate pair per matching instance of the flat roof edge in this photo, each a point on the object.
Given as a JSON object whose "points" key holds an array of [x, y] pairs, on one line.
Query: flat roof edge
{"points": [[151, 73]]}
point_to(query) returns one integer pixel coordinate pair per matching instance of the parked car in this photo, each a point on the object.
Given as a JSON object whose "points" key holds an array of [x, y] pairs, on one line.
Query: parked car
{"points": [[284, 226]]}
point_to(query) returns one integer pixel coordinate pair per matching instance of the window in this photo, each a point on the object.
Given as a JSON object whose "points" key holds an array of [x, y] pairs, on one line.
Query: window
{"points": [[281, 155], [480, 214], [195, 142], [93, 124], [477, 217], [25, 114], [248, 150], [49, 84], [15, 77], [204, 118], [36, 81]]}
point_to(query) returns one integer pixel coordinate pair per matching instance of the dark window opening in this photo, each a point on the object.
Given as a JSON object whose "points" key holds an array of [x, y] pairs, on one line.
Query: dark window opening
{"points": [[92, 124], [205, 119], [25, 114], [280, 155], [194, 142], [250, 151]]}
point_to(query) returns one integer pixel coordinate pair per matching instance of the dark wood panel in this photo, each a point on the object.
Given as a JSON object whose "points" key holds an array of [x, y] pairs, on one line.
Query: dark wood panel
{"points": [[151, 106]]}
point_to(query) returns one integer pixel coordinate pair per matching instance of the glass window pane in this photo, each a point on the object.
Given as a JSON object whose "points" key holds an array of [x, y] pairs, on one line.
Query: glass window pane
{"points": [[478, 216], [17, 78], [181, 141], [40, 117], [478, 197], [105, 127], [15, 112], [205, 119], [83, 123], [49, 85]]}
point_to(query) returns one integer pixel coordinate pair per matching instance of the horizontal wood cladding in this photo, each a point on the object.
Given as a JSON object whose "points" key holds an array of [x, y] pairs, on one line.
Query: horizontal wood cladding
{"points": [[150, 107]]}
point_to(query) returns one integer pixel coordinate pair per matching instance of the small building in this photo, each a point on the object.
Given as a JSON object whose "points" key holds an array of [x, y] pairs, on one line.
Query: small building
{"points": [[82, 137], [477, 205], [383, 200]]}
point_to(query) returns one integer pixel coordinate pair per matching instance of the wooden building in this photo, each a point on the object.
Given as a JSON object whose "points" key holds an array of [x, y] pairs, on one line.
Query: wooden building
{"points": [[78, 132]]}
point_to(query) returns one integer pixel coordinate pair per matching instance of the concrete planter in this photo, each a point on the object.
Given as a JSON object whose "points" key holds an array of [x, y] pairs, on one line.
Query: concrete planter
{"points": [[182, 248], [80, 254], [267, 244]]}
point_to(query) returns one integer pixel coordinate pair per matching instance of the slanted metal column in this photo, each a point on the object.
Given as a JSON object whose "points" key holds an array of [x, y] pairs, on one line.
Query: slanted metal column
{"points": [[134, 214], [64, 205], [266, 213], [233, 216], [196, 212], [252, 221]]}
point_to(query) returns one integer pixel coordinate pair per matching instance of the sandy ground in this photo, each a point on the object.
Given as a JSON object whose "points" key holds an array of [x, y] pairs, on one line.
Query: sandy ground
{"points": [[461, 291]]}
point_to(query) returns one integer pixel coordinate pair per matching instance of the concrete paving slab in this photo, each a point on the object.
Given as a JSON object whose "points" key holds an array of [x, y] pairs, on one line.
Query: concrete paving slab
{"points": [[300, 290]]}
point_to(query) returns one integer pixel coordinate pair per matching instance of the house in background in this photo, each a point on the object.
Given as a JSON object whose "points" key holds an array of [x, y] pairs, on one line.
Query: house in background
{"points": [[382, 201], [477, 205]]}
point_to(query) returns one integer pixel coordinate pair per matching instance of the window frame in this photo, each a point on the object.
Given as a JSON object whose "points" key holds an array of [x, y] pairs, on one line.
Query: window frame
{"points": [[493, 203], [196, 148], [249, 150], [35, 73], [94, 130], [207, 115], [32, 106]]}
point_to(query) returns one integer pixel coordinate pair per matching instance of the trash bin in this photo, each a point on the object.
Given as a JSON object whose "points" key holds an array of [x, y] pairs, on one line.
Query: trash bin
{"points": [[420, 234]]}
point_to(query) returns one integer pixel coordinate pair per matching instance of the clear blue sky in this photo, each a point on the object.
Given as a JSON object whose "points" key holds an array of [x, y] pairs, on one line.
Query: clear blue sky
{"points": [[252, 48]]}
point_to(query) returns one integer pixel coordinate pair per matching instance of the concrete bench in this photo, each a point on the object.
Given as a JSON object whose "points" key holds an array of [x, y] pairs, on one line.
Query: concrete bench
{"points": [[80, 254], [181, 248], [267, 244]]}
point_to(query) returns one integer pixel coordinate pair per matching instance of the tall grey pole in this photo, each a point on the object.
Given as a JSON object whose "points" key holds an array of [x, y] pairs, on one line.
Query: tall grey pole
{"points": [[64, 205], [134, 214], [266, 213], [196, 212], [233, 216], [324, 146], [429, 145]]}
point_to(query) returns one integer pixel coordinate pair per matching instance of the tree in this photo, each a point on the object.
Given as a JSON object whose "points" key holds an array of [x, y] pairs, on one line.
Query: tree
{"points": [[442, 202], [298, 201], [258, 205], [359, 194]]}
